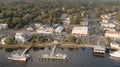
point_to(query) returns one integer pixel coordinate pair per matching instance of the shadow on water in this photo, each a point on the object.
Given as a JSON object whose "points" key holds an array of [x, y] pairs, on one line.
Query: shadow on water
{"points": [[52, 60], [72, 49], [38, 48], [10, 49]]}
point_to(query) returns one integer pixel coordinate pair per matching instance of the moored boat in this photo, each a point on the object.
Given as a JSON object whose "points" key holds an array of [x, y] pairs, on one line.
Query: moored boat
{"points": [[19, 57], [115, 54]]}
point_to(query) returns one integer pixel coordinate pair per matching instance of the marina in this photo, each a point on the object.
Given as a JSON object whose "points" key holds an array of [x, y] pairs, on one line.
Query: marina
{"points": [[77, 58], [20, 56], [52, 55]]}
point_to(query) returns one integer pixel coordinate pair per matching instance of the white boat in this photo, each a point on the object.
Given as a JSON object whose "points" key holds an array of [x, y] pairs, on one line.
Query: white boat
{"points": [[115, 54], [114, 45], [19, 57]]}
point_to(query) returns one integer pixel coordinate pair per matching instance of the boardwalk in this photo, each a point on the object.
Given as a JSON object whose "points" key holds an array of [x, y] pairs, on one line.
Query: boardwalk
{"points": [[27, 49], [87, 46]]}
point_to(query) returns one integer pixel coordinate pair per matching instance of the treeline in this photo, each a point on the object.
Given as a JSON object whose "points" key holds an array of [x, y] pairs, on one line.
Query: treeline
{"points": [[21, 13]]}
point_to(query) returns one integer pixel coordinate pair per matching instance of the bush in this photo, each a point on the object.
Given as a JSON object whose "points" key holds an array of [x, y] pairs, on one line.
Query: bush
{"points": [[10, 41]]}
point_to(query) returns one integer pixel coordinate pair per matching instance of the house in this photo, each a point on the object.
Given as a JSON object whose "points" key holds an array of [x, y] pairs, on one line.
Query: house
{"points": [[106, 16], [107, 23], [80, 31], [66, 21], [37, 25], [3, 38], [59, 29], [45, 29], [110, 29], [22, 37], [84, 23], [3, 26], [112, 34], [99, 50], [29, 28]]}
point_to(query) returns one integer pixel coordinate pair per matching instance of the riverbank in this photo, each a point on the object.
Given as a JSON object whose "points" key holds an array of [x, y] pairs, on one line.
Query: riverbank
{"points": [[23, 46]]}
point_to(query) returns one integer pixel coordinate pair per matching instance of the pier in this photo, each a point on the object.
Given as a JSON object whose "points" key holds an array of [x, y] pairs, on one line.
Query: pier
{"points": [[26, 50], [54, 56], [87, 46]]}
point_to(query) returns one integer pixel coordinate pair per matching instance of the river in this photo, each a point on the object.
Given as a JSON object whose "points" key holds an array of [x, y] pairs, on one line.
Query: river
{"points": [[76, 58]]}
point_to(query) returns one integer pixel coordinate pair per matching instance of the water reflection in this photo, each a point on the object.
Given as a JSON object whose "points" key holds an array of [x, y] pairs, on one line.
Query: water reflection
{"points": [[10, 49], [72, 49], [76, 58], [52, 60], [37, 48]]}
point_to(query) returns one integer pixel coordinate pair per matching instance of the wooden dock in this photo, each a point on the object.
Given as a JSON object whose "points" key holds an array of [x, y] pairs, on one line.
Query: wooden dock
{"points": [[27, 49], [92, 46]]}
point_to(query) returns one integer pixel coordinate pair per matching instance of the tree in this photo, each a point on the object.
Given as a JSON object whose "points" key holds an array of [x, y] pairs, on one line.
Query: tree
{"points": [[71, 39], [10, 41], [108, 40]]}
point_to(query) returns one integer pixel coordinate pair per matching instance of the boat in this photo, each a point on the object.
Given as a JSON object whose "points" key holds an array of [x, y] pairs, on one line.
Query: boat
{"points": [[114, 45], [115, 54], [19, 57]]}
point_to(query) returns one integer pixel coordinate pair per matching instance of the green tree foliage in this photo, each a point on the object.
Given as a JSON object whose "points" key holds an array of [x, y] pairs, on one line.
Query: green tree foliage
{"points": [[10, 41], [108, 40], [71, 39]]}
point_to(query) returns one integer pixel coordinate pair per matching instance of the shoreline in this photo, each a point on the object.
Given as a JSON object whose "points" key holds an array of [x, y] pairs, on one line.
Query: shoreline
{"points": [[23, 46]]}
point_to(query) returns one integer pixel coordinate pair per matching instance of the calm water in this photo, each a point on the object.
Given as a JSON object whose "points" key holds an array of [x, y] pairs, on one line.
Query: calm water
{"points": [[76, 58]]}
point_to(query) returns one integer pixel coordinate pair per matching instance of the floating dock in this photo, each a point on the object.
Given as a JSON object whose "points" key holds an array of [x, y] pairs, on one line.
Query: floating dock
{"points": [[57, 56], [99, 50]]}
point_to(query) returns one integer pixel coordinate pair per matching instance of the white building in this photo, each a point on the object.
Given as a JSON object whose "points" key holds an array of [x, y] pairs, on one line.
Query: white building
{"points": [[45, 29], [59, 29], [112, 34], [84, 23], [3, 40], [66, 21], [80, 31], [110, 29], [37, 25], [22, 37], [110, 25], [3, 26]]}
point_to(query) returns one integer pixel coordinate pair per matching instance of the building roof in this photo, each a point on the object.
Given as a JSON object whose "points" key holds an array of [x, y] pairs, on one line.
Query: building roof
{"points": [[99, 47], [80, 28], [112, 32]]}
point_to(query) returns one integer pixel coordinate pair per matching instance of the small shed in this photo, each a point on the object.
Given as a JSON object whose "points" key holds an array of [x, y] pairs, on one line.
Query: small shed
{"points": [[3, 26], [3, 38], [59, 29], [99, 50]]}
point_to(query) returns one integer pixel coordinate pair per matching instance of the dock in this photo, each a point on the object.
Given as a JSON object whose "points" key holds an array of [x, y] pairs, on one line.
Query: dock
{"points": [[92, 46], [54, 56], [26, 50]]}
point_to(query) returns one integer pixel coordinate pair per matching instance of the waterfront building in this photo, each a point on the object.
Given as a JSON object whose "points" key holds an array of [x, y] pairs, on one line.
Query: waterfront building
{"points": [[84, 23], [99, 50], [22, 37], [3, 38], [80, 31], [59, 29], [112, 34], [3, 26], [45, 29]]}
